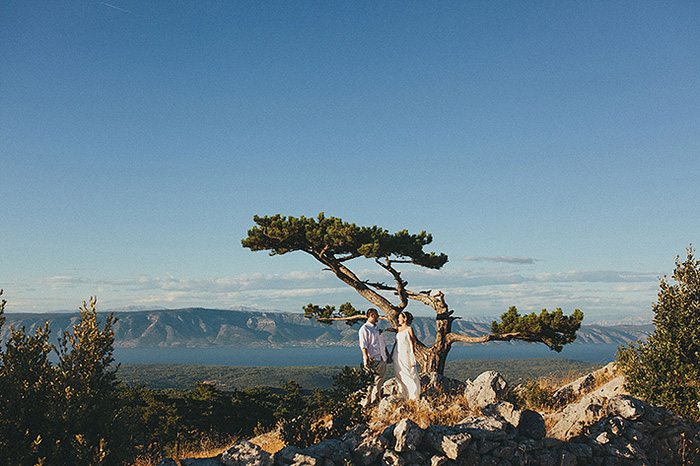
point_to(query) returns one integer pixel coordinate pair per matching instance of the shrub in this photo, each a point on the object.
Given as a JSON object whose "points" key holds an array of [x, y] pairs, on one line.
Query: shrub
{"points": [[305, 420]]}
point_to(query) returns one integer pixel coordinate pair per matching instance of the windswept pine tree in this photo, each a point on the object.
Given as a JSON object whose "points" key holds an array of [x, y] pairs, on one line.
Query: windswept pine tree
{"points": [[335, 243]]}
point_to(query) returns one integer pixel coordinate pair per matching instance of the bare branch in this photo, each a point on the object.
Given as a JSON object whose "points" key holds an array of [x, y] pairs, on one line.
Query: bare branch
{"points": [[529, 337], [400, 283], [380, 286]]}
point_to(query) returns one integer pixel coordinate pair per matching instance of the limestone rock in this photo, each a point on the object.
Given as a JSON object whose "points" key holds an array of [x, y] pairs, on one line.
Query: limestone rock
{"points": [[246, 453], [487, 388], [503, 410], [408, 435], [626, 407], [387, 406], [355, 436], [370, 449], [331, 449], [294, 456], [573, 390], [447, 441], [570, 421]]}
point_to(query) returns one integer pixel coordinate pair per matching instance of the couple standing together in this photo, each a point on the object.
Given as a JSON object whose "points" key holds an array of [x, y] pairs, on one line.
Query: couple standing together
{"points": [[374, 351]]}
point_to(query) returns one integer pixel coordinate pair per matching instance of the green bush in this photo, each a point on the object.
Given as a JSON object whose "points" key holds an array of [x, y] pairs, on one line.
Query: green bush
{"points": [[666, 369], [64, 413], [537, 397], [305, 420]]}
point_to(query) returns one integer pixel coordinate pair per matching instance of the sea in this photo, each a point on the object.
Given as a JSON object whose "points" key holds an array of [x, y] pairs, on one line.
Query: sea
{"points": [[350, 356]]}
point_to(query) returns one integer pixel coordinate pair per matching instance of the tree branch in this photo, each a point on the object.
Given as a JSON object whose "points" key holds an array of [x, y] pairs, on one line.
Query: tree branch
{"points": [[522, 336], [400, 283]]}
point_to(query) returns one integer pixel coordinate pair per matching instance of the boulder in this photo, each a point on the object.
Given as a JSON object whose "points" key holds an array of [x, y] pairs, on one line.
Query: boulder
{"points": [[246, 453], [572, 419], [331, 449], [447, 441], [487, 388], [294, 456], [626, 407], [503, 410], [356, 436], [371, 448], [573, 390], [531, 425], [408, 435], [387, 406]]}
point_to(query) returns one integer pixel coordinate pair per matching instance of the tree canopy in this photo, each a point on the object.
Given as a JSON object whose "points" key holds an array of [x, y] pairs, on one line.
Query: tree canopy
{"points": [[332, 238]]}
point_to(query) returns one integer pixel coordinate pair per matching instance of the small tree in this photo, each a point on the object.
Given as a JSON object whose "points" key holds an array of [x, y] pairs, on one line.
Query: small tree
{"points": [[27, 388], [65, 413], [88, 381], [334, 243], [666, 369]]}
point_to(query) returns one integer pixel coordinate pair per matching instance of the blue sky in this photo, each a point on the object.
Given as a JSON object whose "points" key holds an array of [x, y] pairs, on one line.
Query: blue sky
{"points": [[551, 148]]}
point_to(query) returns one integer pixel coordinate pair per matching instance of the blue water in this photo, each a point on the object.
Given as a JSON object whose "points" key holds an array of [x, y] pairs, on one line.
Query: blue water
{"points": [[343, 356]]}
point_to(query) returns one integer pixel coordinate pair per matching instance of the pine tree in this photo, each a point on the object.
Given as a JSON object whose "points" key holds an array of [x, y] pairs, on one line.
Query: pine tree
{"points": [[666, 369], [334, 243]]}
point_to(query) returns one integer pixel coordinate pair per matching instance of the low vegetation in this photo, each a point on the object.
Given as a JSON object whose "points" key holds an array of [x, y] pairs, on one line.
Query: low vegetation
{"points": [[185, 376]]}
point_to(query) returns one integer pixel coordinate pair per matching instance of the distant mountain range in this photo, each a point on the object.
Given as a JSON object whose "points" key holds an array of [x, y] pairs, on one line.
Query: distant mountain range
{"points": [[207, 328]]}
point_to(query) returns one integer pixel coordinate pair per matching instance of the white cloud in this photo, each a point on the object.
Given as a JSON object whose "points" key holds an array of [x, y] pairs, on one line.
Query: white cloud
{"points": [[482, 291]]}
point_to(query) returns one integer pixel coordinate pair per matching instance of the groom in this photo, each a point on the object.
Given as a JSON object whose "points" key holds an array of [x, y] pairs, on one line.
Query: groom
{"points": [[374, 353]]}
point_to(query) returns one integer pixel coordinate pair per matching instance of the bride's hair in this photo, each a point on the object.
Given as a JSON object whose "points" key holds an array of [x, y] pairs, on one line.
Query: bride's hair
{"points": [[409, 317]]}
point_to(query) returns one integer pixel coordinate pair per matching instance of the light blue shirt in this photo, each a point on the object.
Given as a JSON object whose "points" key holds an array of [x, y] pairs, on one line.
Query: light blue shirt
{"points": [[372, 340]]}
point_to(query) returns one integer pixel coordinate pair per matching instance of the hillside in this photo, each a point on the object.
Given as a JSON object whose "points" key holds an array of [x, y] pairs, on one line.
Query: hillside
{"points": [[206, 328]]}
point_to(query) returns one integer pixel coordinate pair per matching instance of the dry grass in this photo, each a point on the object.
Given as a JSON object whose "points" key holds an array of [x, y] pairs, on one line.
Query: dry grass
{"points": [[271, 442], [206, 448], [437, 410]]}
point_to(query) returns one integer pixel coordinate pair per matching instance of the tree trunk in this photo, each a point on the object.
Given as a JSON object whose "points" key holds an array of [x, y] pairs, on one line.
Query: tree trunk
{"points": [[432, 359]]}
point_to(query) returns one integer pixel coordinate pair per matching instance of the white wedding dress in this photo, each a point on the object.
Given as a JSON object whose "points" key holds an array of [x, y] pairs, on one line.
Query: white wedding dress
{"points": [[405, 366]]}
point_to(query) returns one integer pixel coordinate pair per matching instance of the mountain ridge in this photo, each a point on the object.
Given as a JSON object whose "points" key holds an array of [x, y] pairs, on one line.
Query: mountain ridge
{"points": [[199, 327]]}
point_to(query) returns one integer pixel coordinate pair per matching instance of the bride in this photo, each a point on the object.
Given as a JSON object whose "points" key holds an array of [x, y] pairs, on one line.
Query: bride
{"points": [[404, 360]]}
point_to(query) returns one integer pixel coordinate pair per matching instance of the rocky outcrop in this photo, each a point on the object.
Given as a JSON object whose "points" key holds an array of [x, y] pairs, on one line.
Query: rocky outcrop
{"points": [[605, 427], [582, 385], [570, 421], [488, 388]]}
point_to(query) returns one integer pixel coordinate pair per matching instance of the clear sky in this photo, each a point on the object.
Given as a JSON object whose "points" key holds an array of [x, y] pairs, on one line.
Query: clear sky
{"points": [[551, 148]]}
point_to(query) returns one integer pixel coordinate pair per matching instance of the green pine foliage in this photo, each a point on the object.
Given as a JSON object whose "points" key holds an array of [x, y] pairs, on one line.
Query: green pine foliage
{"points": [[551, 328], [327, 314], [666, 369], [333, 237]]}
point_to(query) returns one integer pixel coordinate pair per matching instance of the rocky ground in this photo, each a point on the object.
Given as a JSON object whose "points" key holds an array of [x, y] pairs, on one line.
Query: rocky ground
{"points": [[594, 424]]}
